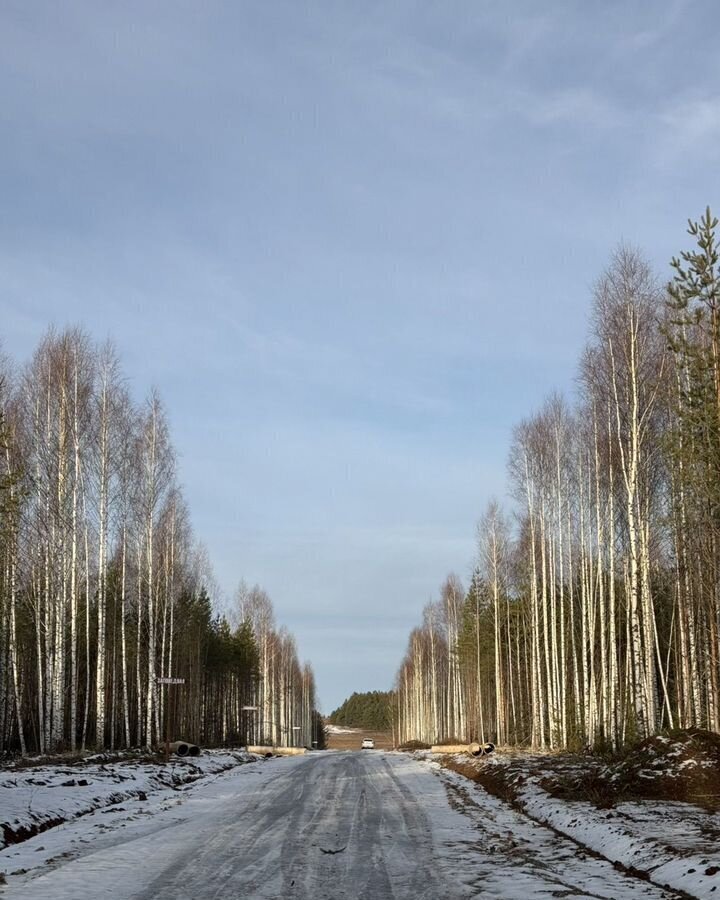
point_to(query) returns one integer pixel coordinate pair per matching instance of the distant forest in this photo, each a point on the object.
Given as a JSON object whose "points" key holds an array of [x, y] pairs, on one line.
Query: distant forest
{"points": [[368, 710]]}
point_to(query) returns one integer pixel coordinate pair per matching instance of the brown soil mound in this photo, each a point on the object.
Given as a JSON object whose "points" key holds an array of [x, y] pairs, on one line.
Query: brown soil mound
{"points": [[500, 780], [682, 765]]}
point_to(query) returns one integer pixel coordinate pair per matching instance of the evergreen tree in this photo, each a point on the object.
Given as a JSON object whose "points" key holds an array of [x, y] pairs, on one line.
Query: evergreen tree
{"points": [[693, 330], [369, 710]]}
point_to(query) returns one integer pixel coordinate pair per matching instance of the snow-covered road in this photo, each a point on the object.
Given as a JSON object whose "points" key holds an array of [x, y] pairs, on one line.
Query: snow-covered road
{"points": [[368, 825]]}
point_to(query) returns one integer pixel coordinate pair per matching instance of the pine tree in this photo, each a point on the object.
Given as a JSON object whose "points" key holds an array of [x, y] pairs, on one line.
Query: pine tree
{"points": [[693, 331]]}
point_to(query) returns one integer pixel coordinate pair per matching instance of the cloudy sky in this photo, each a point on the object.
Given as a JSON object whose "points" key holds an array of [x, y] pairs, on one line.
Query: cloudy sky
{"points": [[351, 244]]}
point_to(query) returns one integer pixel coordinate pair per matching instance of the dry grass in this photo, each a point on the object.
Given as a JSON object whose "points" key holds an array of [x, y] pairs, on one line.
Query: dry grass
{"points": [[500, 781], [681, 766], [81, 758]]}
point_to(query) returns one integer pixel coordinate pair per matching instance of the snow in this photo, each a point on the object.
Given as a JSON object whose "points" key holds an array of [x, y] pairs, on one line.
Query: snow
{"points": [[676, 844], [345, 824], [247, 823], [128, 841], [524, 859], [35, 798]]}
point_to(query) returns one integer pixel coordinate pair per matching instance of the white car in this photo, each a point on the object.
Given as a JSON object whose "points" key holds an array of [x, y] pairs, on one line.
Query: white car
{"points": [[367, 744]]}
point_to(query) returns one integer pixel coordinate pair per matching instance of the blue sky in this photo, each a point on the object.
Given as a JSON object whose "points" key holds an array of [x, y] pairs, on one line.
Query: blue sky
{"points": [[352, 244]]}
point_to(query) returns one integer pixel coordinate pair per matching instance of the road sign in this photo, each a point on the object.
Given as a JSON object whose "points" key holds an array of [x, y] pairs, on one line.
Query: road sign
{"points": [[170, 680]]}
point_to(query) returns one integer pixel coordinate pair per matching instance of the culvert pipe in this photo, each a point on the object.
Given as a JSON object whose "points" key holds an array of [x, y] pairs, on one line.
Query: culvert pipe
{"points": [[180, 748], [481, 749]]}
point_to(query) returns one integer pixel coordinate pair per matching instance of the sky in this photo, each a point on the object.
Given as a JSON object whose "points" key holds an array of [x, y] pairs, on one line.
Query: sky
{"points": [[352, 245]]}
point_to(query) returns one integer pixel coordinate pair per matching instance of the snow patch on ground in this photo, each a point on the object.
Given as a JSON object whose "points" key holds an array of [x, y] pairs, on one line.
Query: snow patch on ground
{"points": [[114, 850], [34, 799], [673, 844], [676, 844], [331, 819], [521, 858]]}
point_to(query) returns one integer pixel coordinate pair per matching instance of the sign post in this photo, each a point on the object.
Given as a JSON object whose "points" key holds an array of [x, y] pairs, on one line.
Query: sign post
{"points": [[168, 682]]}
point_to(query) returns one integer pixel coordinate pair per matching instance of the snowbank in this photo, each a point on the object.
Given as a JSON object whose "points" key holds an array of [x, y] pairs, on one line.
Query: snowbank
{"points": [[673, 844], [35, 798]]}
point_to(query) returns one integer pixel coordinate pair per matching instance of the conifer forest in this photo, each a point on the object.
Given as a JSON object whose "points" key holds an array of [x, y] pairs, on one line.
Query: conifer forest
{"points": [[103, 587], [592, 614]]}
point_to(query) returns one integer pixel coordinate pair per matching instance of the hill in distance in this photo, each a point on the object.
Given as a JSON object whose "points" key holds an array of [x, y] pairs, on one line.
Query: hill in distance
{"points": [[369, 710]]}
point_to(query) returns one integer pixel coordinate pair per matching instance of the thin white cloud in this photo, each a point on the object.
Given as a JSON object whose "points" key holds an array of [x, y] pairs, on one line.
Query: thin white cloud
{"points": [[581, 107], [688, 130], [654, 29]]}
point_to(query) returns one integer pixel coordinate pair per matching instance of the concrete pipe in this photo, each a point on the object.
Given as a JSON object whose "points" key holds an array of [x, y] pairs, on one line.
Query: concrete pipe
{"points": [[193, 750], [481, 749], [180, 748]]}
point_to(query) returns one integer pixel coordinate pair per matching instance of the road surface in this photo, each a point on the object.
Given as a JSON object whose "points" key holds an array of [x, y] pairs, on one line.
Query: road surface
{"points": [[363, 825]]}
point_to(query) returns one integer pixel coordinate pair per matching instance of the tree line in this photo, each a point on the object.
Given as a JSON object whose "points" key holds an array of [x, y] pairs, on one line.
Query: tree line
{"points": [[593, 612], [103, 587], [370, 710]]}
